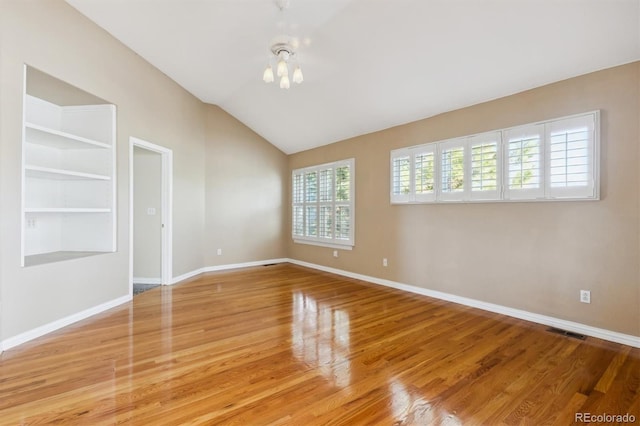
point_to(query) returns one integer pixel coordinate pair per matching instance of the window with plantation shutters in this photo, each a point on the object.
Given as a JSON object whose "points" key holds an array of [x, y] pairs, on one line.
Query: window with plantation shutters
{"points": [[570, 156], [413, 175], [524, 153], [401, 177], [424, 167], [553, 160], [452, 170], [485, 166], [323, 204], [298, 205]]}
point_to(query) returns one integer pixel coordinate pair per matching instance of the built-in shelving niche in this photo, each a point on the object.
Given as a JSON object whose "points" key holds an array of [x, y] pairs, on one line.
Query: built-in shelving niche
{"points": [[68, 164]]}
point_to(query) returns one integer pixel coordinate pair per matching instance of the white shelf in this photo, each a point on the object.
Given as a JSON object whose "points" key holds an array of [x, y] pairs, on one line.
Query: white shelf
{"points": [[65, 210], [69, 175], [60, 174], [41, 135], [56, 256]]}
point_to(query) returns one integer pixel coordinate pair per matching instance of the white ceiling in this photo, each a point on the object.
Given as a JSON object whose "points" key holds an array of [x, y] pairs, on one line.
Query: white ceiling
{"points": [[368, 64]]}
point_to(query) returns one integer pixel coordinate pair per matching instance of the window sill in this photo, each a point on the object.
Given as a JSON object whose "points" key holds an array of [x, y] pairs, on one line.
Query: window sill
{"points": [[321, 244]]}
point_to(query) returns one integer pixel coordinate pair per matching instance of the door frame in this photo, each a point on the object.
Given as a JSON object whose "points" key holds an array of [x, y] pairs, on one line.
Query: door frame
{"points": [[166, 208]]}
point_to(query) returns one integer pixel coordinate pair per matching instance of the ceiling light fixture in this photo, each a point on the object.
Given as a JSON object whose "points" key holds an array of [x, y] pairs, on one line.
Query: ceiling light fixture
{"points": [[284, 56]]}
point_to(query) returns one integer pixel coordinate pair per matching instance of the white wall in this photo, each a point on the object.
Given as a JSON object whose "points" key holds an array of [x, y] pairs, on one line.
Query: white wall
{"points": [[147, 226]]}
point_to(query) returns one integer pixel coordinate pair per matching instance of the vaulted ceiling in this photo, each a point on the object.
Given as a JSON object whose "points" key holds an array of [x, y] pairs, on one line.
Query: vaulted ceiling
{"points": [[368, 64]]}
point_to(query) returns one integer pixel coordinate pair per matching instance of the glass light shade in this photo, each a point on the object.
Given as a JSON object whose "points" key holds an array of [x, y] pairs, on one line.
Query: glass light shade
{"points": [[284, 82], [267, 76], [282, 68], [297, 76]]}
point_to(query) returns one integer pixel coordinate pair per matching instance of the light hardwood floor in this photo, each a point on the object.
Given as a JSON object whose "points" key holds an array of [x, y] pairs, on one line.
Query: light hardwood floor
{"points": [[287, 345]]}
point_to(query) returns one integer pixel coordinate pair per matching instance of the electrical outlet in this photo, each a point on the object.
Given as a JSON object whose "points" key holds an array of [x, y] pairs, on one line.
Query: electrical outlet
{"points": [[384, 262], [219, 252], [585, 296], [335, 253]]}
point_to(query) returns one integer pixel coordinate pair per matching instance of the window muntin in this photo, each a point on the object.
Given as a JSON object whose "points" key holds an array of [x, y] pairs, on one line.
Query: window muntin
{"points": [[323, 202], [550, 160]]}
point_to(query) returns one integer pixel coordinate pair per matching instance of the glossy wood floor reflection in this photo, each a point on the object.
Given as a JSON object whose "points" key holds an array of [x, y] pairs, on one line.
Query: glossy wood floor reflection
{"points": [[286, 345]]}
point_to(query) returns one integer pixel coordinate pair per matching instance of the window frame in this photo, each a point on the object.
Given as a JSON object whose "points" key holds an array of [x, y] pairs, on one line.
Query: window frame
{"points": [[504, 193], [333, 241]]}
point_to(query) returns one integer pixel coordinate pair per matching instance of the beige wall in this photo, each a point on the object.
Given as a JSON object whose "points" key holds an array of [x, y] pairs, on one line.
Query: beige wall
{"points": [[245, 170], [147, 229], [541, 254], [246, 183], [51, 36]]}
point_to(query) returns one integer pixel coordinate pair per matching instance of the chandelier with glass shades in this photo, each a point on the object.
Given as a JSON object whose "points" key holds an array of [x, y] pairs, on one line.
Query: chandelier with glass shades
{"points": [[284, 58]]}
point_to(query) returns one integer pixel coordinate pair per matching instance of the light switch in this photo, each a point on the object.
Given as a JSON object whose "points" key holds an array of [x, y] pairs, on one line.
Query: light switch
{"points": [[151, 211]]}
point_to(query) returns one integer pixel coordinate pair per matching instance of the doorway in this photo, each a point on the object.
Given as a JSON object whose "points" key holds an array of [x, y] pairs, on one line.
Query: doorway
{"points": [[150, 177]]}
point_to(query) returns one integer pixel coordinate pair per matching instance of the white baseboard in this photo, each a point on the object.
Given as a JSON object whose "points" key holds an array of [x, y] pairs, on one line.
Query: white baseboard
{"points": [[143, 280], [226, 267], [244, 265], [600, 333], [186, 276], [63, 322]]}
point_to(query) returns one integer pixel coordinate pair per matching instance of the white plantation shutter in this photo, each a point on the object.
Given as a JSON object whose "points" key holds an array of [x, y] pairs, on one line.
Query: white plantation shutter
{"points": [[524, 167], [413, 174], [311, 208], [401, 189], [571, 145], [322, 204], [325, 201], [425, 173], [343, 202], [485, 167], [453, 170], [298, 205], [343, 223], [553, 160]]}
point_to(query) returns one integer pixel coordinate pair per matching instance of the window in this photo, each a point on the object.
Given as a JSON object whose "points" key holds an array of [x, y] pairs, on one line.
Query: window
{"points": [[401, 176], [452, 170], [413, 174], [425, 174], [570, 157], [485, 166], [524, 155], [557, 159], [323, 204]]}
